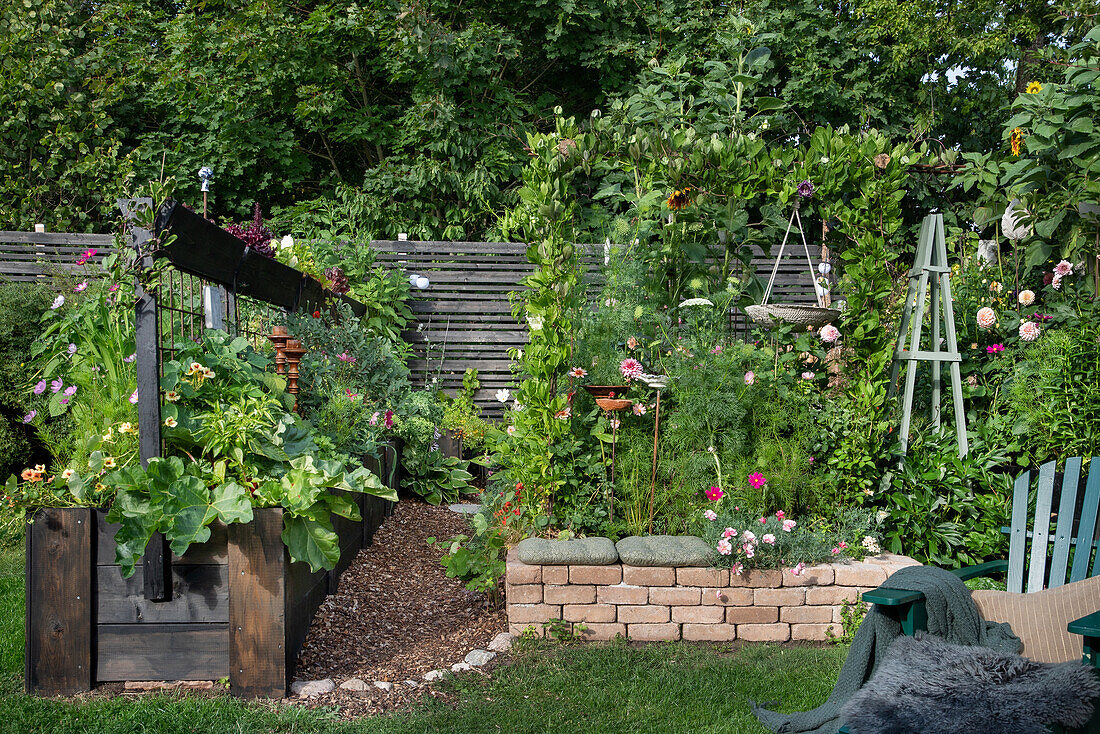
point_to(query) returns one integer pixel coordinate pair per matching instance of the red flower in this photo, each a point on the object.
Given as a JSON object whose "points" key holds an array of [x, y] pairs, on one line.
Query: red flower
{"points": [[316, 314]]}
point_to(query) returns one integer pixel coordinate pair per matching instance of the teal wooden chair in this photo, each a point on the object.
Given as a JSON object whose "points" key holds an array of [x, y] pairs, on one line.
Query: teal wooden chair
{"points": [[1061, 539]]}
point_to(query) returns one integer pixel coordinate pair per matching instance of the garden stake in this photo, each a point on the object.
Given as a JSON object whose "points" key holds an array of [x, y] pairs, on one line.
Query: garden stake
{"points": [[614, 433], [653, 478]]}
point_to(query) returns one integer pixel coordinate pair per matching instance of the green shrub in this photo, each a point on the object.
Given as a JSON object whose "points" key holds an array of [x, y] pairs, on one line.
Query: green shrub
{"points": [[21, 308]]}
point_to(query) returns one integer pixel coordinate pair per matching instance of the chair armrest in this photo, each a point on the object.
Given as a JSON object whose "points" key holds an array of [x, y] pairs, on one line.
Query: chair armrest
{"points": [[982, 569], [1089, 627], [907, 607]]}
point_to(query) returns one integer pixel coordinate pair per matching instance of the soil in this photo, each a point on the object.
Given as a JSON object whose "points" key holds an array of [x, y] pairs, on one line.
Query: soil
{"points": [[396, 616]]}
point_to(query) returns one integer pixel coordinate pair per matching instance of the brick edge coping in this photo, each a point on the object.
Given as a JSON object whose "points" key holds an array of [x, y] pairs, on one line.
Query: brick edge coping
{"points": [[688, 602]]}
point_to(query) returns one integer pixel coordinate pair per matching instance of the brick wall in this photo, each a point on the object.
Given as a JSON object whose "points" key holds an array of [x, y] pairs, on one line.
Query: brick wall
{"points": [[657, 603]]}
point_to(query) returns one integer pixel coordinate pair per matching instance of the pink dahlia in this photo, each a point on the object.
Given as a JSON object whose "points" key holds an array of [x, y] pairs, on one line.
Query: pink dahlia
{"points": [[986, 317], [630, 368], [829, 333], [1063, 269], [1029, 331]]}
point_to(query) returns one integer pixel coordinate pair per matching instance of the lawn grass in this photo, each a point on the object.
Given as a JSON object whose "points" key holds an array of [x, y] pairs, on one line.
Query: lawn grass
{"points": [[547, 687]]}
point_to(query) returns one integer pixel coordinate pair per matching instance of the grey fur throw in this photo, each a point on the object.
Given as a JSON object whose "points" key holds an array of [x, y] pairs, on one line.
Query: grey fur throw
{"points": [[928, 685]]}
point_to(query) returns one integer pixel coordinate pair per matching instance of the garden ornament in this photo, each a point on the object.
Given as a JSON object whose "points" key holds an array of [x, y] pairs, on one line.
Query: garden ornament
{"points": [[1012, 224]]}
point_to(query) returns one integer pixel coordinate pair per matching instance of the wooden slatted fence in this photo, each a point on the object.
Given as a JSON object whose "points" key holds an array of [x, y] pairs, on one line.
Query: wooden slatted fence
{"points": [[27, 256]]}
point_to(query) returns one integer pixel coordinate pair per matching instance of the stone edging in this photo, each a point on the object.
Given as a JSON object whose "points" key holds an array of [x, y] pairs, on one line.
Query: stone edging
{"points": [[688, 603]]}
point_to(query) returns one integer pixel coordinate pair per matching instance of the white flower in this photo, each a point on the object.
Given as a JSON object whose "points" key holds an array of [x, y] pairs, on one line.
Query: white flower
{"points": [[1030, 331], [1063, 268], [58, 302], [881, 515], [710, 515], [986, 317], [829, 333], [752, 136], [778, 163], [824, 159], [286, 242], [695, 302], [765, 125], [871, 545], [517, 405], [535, 322], [1026, 298], [503, 395]]}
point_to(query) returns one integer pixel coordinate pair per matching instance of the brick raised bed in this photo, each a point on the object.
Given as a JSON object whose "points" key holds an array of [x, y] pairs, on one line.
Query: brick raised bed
{"points": [[688, 603]]}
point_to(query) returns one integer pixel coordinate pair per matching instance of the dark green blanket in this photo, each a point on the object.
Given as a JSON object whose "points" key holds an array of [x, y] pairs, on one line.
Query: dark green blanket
{"points": [[951, 615]]}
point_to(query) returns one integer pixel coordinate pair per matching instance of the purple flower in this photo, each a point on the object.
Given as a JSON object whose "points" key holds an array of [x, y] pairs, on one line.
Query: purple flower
{"points": [[131, 358], [72, 349], [806, 189], [30, 416], [134, 397], [58, 302], [40, 387], [57, 385], [70, 390]]}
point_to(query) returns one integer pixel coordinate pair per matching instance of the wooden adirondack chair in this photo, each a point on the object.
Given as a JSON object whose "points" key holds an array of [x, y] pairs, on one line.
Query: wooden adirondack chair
{"points": [[1074, 535]]}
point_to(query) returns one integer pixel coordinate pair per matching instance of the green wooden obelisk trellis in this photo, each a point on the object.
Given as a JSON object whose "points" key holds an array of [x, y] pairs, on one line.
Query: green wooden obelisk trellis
{"points": [[930, 270]]}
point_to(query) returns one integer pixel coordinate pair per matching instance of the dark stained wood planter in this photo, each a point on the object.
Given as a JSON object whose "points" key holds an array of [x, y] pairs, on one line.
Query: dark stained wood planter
{"points": [[239, 608]]}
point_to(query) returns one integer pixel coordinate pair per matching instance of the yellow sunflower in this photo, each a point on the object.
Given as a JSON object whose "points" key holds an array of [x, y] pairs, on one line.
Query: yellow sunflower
{"points": [[1016, 139], [1034, 88]]}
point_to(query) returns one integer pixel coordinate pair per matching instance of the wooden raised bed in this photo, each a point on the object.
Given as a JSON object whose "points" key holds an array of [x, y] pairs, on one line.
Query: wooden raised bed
{"points": [[239, 608]]}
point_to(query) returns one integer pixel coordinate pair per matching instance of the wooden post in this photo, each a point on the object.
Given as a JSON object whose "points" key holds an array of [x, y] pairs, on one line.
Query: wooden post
{"points": [[58, 637], [157, 558], [257, 607]]}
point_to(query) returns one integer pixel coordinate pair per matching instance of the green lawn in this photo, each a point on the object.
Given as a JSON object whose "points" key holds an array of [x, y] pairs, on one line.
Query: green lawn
{"points": [[548, 687]]}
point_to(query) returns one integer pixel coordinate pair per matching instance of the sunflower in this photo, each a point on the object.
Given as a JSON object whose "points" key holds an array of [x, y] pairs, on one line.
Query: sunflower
{"points": [[1016, 139], [1034, 88], [679, 199]]}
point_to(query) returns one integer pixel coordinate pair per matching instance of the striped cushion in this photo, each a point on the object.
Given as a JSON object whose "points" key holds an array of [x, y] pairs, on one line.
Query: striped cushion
{"points": [[1040, 618]]}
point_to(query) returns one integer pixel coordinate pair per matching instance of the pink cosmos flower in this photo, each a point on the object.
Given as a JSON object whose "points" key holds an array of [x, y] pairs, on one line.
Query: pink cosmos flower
{"points": [[994, 348], [615, 424], [797, 570], [578, 372], [750, 550], [70, 391], [64, 401], [1029, 331], [630, 368], [714, 494], [639, 409], [724, 547], [757, 480], [1063, 269], [80, 286], [780, 514], [134, 397], [789, 525], [717, 349], [807, 375], [768, 538], [710, 515], [58, 303], [510, 430], [113, 288], [57, 384], [750, 377], [729, 533]]}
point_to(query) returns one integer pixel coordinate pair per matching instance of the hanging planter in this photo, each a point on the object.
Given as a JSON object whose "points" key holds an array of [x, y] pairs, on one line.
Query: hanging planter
{"points": [[769, 315]]}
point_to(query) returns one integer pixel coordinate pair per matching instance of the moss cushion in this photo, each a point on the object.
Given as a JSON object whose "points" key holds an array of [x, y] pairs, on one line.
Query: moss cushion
{"points": [[581, 551], [664, 550]]}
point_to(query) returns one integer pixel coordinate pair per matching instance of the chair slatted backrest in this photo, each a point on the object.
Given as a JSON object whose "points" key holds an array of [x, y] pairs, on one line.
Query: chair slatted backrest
{"points": [[1047, 567]]}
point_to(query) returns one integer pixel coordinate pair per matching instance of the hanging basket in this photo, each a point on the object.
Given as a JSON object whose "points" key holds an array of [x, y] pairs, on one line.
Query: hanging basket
{"points": [[771, 314]]}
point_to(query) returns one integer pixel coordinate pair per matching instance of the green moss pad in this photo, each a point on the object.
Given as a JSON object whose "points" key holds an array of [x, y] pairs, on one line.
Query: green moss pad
{"points": [[664, 550], [582, 551]]}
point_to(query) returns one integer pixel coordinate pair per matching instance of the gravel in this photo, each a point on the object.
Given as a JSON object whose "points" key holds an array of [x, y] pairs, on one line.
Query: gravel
{"points": [[396, 616]]}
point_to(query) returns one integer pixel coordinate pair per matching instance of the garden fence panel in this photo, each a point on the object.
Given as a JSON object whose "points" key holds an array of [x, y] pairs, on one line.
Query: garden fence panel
{"points": [[30, 256]]}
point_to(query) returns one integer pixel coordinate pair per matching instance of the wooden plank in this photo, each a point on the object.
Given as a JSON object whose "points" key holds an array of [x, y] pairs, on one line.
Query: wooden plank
{"points": [[305, 590], [58, 632], [162, 652], [199, 594], [257, 659], [1040, 531], [59, 238], [1017, 545], [1087, 529], [1067, 506], [212, 552]]}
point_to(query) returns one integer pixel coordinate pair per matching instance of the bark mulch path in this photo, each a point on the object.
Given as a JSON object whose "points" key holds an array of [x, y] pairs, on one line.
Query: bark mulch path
{"points": [[396, 616]]}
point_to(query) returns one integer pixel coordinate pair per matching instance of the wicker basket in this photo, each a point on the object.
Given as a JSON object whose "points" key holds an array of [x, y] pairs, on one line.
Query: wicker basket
{"points": [[770, 314]]}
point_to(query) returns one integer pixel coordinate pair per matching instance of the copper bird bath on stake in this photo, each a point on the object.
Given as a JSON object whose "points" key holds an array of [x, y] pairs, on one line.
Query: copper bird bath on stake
{"points": [[658, 383]]}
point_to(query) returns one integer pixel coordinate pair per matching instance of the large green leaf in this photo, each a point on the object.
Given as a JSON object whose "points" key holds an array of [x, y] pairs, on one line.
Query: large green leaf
{"points": [[231, 503], [311, 541]]}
